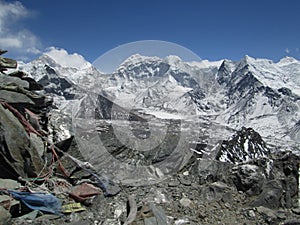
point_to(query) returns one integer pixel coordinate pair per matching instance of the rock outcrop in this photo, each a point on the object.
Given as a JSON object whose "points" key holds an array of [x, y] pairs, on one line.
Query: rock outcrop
{"points": [[23, 123]]}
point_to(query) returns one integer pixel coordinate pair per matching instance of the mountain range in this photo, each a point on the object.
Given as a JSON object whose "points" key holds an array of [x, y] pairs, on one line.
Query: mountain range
{"points": [[222, 97]]}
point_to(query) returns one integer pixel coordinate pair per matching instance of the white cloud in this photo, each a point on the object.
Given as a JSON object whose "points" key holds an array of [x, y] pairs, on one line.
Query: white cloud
{"points": [[287, 50], [65, 59], [19, 42], [10, 42], [9, 12]]}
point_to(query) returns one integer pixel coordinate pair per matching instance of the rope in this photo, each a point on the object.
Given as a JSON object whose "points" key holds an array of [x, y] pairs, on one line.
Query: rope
{"points": [[61, 167], [28, 127]]}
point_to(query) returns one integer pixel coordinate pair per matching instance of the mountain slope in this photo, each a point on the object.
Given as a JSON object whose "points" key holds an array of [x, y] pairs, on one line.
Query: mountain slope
{"points": [[257, 93], [245, 145]]}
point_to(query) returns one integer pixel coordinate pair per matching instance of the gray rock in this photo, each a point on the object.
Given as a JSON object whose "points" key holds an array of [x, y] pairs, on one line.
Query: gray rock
{"points": [[150, 221], [173, 183], [159, 214], [8, 93], [270, 196], [281, 215], [33, 85], [29, 216], [185, 202], [184, 180], [6, 63], [6, 200], [251, 213], [213, 170], [249, 178], [268, 214], [213, 192], [291, 222], [8, 80], [9, 184], [4, 216], [38, 144], [15, 97], [227, 197], [296, 211], [18, 158]]}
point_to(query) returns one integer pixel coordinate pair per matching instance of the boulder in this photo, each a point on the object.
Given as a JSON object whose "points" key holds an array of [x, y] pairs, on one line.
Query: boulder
{"points": [[6, 63], [214, 191], [5, 216], [270, 196], [17, 156], [9, 80], [268, 214], [9, 184], [212, 170], [272, 182], [32, 84], [15, 97], [248, 178]]}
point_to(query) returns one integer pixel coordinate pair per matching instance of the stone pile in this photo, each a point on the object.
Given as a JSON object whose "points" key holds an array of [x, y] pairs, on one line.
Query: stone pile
{"points": [[47, 178]]}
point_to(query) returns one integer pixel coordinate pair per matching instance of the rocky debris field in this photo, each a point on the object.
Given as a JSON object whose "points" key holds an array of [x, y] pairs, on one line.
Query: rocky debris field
{"points": [[45, 180]]}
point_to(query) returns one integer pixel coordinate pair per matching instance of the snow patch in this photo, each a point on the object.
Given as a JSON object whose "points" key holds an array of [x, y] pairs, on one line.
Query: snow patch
{"points": [[205, 64], [287, 61], [246, 145], [164, 115]]}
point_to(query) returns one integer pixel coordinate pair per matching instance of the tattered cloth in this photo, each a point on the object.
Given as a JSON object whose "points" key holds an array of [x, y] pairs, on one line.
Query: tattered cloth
{"points": [[39, 201]]}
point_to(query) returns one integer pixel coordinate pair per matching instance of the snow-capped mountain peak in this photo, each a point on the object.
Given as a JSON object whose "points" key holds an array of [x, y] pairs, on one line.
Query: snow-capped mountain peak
{"points": [[244, 145], [287, 61], [255, 93], [285, 73], [248, 59], [204, 64], [173, 59], [137, 59]]}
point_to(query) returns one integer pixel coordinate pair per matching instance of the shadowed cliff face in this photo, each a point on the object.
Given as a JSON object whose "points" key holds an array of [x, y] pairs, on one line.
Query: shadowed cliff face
{"points": [[246, 144]]}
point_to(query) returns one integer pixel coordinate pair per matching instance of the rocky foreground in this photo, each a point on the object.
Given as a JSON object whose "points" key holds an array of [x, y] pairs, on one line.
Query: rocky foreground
{"points": [[44, 179]]}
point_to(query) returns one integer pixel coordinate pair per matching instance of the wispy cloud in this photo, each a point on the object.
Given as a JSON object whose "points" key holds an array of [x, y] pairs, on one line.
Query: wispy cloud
{"points": [[21, 42], [293, 52], [287, 50]]}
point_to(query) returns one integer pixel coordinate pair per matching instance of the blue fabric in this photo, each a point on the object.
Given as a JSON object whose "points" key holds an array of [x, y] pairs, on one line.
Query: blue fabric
{"points": [[39, 201]]}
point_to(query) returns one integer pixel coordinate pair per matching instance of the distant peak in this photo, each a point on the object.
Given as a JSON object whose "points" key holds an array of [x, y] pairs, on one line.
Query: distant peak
{"points": [[248, 59], [226, 62], [135, 56], [287, 60], [228, 65], [173, 58], [48, 59], [63, 58], [206, 63], [139, 57]]}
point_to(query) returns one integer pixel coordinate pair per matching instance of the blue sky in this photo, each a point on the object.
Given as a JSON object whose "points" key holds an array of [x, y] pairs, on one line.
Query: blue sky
{"points": [[212, 29]]}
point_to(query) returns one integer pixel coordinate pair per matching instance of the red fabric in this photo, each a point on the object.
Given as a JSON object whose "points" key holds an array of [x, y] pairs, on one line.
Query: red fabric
{"points": [[84, 191]]}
